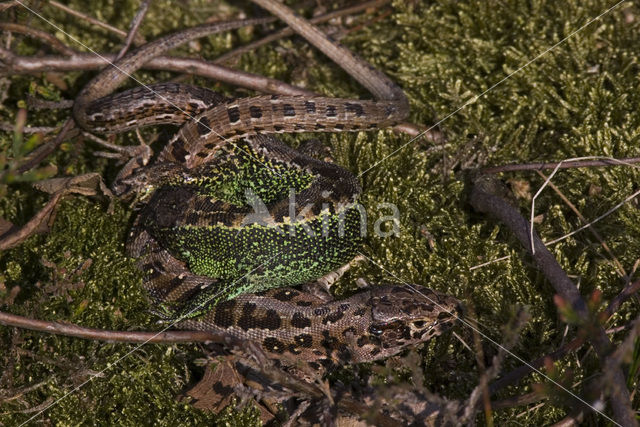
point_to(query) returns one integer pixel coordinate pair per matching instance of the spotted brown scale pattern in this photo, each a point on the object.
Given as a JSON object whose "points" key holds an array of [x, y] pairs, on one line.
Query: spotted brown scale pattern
{"points": [[241, 118], [392, 318], [162, 103], [293, 326]]}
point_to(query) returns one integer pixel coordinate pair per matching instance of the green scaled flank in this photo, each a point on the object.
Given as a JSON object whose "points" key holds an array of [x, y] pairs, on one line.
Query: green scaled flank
{"points": [[244, 221]]}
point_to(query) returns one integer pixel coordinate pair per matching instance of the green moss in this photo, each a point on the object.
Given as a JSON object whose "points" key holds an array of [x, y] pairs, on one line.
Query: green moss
{"points": [[579, 99]]}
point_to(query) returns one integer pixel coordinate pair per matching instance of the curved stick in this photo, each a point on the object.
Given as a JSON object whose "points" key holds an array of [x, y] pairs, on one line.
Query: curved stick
{"points": [[485, 197], [381, 86], [285, 32], [71, 330]]}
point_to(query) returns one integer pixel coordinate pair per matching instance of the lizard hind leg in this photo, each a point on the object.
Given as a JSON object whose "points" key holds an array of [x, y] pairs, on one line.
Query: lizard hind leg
{"points": [[321, 287], [175, 292]]}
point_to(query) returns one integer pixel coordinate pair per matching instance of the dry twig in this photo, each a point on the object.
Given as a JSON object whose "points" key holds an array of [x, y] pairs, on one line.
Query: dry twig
{"points": [[138, 39], [43, 36], [135, 24], [560, 165], [595, 233], [286, 32], [486, 197], [71, 330]]}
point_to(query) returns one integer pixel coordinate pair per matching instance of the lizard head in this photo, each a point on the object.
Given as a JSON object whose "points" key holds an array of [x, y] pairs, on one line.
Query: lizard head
{"points": [[405, 315]]}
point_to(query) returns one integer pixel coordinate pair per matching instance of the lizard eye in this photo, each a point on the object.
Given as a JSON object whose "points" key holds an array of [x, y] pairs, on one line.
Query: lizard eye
{"points": [[419, 324], [373, 329]]}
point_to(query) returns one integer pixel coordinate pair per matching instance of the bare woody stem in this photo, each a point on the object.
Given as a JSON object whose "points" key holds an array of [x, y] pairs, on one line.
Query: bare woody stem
{"points": [[516, 374], [71, 330], [486, 197], [569, 164], [285, 32]]}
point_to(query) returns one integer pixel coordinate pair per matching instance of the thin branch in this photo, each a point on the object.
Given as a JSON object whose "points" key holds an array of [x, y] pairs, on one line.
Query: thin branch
{"points": [[573, 419], [560, 165], [515, 375], [518, 373], [7, 57], [15, 64], [434, 136], [94, 21], [22, 391], [34, 103], [525, 399], [601, 217], [511, 333], [493, 261], [286, 32], [379, 18], [8, 127], [71, 330], [15, 237], [8, 5], [481, 390], [135, 24], [43, 36], [629, 290], [626, 348], [623, 353], [595, 233], [90, 184], [485, 197], [39, 154]]}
